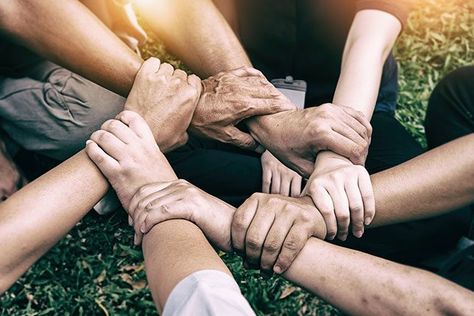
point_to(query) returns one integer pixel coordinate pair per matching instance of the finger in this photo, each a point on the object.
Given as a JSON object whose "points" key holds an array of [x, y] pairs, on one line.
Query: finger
{"points": [[240, 139], [274, 242], [107, 165], [294, 242], [150, 66], [178, 73], [296, 186], [256, 235], [165, 211], [120, 130], [323, 202], [347, 131], [360, 117], [137, 124], [138, 220], [356, 206], [266, 179], [276, 180], [142, 213], [267, 105], [345, 147], [195, 82], [165, 70], [341, 208], [241, 221], [247, 71], [367, 191], [142, 196], [111, 145], [130, 220], [285, 184]]}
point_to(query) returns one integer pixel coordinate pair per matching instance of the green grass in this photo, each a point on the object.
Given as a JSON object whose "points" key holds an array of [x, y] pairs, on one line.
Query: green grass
{"points": [[95, 270]]}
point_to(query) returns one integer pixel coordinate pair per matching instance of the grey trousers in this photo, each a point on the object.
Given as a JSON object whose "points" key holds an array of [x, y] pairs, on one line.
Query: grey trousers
{"points": [[52, 111]]}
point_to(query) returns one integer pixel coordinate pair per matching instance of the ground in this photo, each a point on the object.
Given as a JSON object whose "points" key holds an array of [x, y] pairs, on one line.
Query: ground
{"points": [[95, 269]]}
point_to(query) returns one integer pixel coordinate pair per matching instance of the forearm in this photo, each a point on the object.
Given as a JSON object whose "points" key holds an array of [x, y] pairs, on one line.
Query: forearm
{"points": [[370, 40], [173, 250], [67, 33], [35, 218], [197, 33], [429, 185], [361, 284]]}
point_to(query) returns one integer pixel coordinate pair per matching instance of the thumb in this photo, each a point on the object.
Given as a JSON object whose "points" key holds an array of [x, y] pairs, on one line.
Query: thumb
{"points": [[241, 139]]}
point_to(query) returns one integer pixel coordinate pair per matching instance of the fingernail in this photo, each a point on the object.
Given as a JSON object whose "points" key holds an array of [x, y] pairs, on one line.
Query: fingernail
{"points": [[358, 233], [142, 228], [88, 142], [135, 240], [367, 221], [277, 269]]}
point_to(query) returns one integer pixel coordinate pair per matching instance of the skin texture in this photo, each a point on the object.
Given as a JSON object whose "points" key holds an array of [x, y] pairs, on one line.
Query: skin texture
{"points": [[231, 97], [12, 180], [390, 288], [339, 188], [369, 42], [51, 205], [197, 34], [278, 178], [266, 225], [33, 24]]}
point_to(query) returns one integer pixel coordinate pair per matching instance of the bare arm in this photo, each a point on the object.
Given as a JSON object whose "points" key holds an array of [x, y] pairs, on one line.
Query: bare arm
{"points": [[39, 215], [428, 185], [361, 284], [197, 33], [67, 33]]}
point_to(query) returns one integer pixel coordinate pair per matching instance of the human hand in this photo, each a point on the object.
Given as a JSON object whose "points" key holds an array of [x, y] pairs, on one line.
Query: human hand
{"points": [[162, 201], [270, 230], [278, 178], [126, 153], [166, 98], [231, 97], [11, 179], [295, 137], [343, 193]]}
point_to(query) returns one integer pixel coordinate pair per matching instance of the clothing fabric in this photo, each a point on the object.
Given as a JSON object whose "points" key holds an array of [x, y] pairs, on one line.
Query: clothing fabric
{"points": [[52, 111], [306, 38], [207, 292]]}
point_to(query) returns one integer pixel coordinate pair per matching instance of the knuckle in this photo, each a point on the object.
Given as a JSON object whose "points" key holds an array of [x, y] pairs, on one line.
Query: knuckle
{"points": [[357, 208], [343, 218], [253, 243], [271, 247], [292, 244]]}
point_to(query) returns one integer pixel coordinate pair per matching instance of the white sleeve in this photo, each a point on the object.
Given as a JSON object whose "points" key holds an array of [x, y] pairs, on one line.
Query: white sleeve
{"points": [[207, 292]]}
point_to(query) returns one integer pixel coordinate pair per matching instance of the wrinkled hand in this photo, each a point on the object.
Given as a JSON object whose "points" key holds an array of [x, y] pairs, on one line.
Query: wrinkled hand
{"points": [[166, 98], [278, 178], [126, 153], [343, 193], [295, 137], [270, 230], [158, 202], [230, 97], [11, 179]]}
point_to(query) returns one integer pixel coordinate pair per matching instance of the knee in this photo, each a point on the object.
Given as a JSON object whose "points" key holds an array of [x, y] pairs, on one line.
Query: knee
{"points": [[84, 107], [452, 89]]}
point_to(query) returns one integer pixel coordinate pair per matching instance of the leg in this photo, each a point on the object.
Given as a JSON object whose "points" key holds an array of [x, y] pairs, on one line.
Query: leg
{"points": [[450, 112], [54, 111]]}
